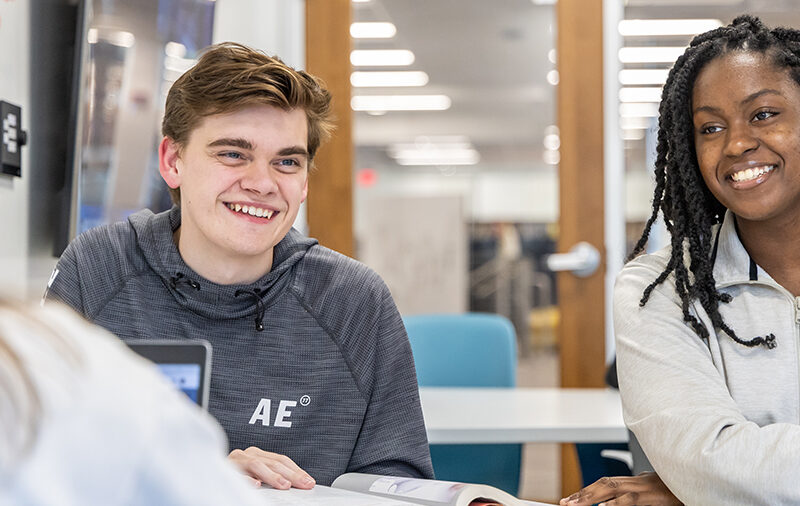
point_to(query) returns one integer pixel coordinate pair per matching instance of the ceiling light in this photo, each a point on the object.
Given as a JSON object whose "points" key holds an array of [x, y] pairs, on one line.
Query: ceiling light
{"points": [[445, 150], [551, 157], [643, 76], [175, 49], [649, 94], [632, 135], [118, 38], [638, 109], [381, 57], [400, 102], [654, 27], [552, 142], [650, 54], [372, 30], [552, 77], [637, 123], [380, 79]]}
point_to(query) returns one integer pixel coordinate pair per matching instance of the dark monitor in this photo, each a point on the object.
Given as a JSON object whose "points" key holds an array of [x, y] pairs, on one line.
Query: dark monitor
{"points": [[187, 363]]}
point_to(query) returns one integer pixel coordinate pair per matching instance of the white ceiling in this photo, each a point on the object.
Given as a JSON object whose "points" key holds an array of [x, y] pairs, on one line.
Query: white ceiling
{"points": [[491, 58]]}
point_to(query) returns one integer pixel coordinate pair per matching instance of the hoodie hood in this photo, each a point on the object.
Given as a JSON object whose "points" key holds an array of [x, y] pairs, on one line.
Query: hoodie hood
{"points": [[154, 235]]}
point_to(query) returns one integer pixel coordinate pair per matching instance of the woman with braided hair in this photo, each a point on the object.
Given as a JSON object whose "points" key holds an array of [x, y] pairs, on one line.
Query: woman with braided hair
{"points": [[708, 329]]}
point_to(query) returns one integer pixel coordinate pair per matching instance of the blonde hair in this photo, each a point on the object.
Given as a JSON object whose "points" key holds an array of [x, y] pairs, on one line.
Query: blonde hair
{"points": [[20, 402], [230, 76]]}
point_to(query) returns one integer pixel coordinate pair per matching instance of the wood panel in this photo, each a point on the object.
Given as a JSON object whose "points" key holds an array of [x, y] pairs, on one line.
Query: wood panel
{"points": [[580, 121], [330, 197]]}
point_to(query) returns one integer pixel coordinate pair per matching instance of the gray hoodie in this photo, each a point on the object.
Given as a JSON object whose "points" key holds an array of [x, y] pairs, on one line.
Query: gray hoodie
{"points": [[311, 361]]}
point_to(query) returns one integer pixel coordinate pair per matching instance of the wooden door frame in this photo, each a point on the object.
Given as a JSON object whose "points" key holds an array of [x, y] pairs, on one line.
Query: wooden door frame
{"points": [[581, 185], [330, 187]]}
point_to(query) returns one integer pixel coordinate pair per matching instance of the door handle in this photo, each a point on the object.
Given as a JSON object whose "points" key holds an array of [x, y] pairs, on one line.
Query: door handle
{"points": [[582, 260]]}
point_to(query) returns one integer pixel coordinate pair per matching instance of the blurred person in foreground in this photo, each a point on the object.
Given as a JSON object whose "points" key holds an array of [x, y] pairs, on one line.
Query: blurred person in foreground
{"points": [[85, 421]]}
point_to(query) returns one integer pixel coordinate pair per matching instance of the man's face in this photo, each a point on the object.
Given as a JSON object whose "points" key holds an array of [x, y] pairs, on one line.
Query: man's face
{"points": [[242, 177]]}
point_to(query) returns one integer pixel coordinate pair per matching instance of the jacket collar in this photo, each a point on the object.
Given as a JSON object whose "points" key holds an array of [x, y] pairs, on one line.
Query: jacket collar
{"points": [[732, 262]]}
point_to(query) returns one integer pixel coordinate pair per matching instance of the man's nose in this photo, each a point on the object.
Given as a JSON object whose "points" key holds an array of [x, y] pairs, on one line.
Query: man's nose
{"points": [[260, 179]]}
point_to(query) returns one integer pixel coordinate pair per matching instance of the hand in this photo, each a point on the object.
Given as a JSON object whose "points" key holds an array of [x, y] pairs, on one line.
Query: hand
{"points": [[273, 469], [646, 489]]}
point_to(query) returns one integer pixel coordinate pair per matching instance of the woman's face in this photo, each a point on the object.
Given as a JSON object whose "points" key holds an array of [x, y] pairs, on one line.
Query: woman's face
{"points": [[746, 115]]}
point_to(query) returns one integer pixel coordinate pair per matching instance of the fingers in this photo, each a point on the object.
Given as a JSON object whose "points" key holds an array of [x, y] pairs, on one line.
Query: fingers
{"points": [[601, 490], [273, 469], [646, 489]]}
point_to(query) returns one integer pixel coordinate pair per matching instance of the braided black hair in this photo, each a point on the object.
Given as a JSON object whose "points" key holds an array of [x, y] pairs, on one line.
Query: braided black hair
{"points": [[689, 209]]}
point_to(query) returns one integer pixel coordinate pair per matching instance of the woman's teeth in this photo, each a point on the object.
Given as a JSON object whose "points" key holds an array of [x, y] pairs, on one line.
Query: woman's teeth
{"points": [[750, 174], [251, 210]]}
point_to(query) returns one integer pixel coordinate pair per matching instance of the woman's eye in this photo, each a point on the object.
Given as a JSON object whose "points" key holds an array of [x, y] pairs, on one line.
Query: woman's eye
{"points": [[711, 129], [762, 115]]}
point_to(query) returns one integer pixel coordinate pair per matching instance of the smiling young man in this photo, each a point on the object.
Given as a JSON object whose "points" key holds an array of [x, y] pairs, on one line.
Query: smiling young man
{"points": [[313, 374]]}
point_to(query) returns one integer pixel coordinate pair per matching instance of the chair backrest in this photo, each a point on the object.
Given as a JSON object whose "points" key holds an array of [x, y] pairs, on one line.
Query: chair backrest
{"points": [[469, 350]]}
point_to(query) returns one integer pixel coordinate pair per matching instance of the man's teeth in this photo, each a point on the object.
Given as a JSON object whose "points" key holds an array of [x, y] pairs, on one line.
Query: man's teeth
{"points": [[251, 210], [750, 174]]}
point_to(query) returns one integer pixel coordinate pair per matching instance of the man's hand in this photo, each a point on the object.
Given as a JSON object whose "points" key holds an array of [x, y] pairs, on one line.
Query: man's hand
{"points": [[277, 471], [646, 489]]}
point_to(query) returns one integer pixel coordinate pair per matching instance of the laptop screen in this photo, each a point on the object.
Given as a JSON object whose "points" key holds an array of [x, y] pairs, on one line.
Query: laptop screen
{"points": [[186, 363]]}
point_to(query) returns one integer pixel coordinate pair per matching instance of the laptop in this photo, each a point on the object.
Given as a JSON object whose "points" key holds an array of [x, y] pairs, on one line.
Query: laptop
{"points": [[186, 362]]}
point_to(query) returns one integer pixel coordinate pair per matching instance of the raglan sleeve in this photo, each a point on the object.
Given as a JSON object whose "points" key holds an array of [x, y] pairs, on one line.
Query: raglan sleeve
{"points": [[64, 284], [676, 402], [392, 440]]}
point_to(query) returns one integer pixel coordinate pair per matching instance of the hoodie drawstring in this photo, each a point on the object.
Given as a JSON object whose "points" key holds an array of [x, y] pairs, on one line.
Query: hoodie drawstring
{"points": [[180, 278], [260, 309]]}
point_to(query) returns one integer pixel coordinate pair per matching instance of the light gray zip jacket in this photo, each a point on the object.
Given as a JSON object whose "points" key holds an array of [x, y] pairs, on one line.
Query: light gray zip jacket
{"points": [[718, 420]]}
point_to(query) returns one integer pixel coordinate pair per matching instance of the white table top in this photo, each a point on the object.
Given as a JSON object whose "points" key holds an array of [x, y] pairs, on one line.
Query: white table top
{"points": [[523, 415]]}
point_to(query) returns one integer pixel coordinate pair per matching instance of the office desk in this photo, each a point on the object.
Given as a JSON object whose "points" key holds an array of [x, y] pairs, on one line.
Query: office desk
{"points": [[523, 415]]}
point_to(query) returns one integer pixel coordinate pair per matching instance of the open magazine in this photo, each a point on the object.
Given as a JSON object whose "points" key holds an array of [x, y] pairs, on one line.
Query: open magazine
{"points": [[356, 489]]}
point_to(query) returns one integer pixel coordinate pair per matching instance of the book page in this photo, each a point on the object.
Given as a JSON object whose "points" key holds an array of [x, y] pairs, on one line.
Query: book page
{"points": [[324, 496]]}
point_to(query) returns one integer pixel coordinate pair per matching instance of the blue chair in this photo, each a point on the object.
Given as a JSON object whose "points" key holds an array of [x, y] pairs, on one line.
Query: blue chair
{"points": [[468, 350]]}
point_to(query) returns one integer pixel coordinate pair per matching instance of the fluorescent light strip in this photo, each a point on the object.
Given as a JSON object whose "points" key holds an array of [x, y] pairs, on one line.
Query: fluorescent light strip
{"points": [[637, 123], [438, 156], [649, 94], [388, 79], [650, 54], [643, 76], [400, 102], [638, 110], [381, 57], [372, 30], [655, 27]]}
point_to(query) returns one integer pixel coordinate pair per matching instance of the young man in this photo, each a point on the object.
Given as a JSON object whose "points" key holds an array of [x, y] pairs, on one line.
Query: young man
{"points": [[312, 371]]}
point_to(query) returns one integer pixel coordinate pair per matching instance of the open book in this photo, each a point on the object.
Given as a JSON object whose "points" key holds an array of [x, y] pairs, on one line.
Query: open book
{"points": [[356, 489]]}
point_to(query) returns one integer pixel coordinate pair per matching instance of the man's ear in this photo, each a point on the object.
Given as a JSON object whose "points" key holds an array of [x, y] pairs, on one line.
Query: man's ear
{"points": [[169, 156], [305, 189]]}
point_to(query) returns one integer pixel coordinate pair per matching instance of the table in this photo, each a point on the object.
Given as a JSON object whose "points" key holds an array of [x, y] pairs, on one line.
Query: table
{"points": [[523, 415]]}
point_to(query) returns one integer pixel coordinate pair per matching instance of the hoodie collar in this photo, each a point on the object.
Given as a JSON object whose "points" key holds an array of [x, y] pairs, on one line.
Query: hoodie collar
{"points": [[154, 234]]}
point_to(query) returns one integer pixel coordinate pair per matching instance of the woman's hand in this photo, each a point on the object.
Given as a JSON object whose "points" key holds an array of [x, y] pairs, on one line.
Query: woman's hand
{"points": [[646, 489]]}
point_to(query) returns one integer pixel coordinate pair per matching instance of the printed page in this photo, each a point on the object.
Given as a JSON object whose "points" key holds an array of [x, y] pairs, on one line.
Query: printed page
{"points": [[324, 496]]}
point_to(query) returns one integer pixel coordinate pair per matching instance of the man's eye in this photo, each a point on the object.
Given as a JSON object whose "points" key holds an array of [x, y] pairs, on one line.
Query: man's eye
{"points": [[288, 162], [232, 155]]}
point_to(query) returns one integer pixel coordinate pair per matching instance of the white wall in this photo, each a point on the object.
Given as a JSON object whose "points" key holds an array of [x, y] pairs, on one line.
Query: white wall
{"points": [[13, 190]]}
